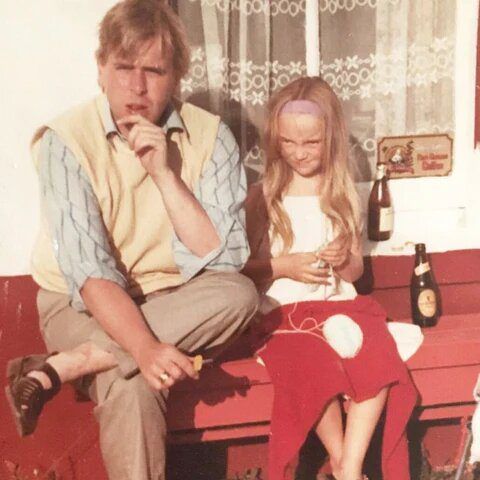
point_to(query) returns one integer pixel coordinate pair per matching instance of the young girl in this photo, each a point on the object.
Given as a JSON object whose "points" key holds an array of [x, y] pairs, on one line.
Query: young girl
{"points": [[303, 225]]}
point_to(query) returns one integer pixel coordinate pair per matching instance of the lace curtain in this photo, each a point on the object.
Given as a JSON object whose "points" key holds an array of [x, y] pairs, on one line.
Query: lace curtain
{"points": [[391, 62]]}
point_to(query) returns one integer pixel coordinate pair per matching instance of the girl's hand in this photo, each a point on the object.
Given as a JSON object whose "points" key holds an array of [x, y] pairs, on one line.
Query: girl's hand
{"points": [[336, 253], [300, 267]]}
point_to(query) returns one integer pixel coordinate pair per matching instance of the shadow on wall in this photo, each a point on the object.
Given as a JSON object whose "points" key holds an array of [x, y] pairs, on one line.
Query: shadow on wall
{"points": [[231, 114], [361, 166]]}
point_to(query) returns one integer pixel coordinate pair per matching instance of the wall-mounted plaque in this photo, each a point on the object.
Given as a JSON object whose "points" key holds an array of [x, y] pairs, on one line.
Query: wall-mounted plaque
{"points": [[416, 155]]}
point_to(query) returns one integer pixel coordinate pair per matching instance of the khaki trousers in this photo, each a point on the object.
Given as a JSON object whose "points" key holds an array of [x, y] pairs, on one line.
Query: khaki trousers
{"points": [[205, 314]]}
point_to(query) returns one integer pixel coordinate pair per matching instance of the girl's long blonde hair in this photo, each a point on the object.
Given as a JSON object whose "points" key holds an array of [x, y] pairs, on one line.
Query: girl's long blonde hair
{"points": [[338, 197]]}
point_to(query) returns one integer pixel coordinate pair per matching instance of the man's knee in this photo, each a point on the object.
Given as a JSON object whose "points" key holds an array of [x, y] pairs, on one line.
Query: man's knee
{"points": [[134, 396], [240, 296]]}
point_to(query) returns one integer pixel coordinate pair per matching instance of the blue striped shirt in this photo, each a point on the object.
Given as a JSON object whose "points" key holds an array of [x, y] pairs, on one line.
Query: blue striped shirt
{"points": [[79, 236]]}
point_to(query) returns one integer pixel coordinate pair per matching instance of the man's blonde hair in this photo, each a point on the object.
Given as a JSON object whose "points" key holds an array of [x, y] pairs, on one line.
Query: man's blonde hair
{"points": [[129, 24]]}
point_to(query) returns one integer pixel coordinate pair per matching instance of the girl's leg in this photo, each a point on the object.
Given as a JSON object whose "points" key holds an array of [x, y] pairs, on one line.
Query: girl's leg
{"points": [[82, 360], [362, 419], [330, 431]]}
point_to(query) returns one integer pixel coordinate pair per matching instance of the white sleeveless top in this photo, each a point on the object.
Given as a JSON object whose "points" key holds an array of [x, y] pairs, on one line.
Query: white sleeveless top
{"points": [[312, 230]]}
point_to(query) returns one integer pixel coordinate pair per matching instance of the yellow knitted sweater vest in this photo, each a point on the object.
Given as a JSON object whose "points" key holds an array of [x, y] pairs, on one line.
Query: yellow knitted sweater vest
{"points": [[131, 205]]}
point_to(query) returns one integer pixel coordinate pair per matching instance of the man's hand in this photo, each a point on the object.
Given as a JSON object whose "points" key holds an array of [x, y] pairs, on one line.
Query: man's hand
{"points": [[336, 253], [189, 219], [300, 267], [149, 142], [163, 365]]}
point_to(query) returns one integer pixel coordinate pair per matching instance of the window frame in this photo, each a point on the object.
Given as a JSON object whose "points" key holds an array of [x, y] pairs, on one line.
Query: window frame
{"points": [[439, 211]]}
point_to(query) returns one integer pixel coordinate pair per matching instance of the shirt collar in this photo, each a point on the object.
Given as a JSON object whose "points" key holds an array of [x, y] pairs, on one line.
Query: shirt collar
{"points": [[171, 120]]}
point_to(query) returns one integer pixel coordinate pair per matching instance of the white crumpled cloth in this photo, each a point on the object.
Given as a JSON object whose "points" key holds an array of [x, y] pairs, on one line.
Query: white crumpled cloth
{"points": [[407, 336], [345, 336]]}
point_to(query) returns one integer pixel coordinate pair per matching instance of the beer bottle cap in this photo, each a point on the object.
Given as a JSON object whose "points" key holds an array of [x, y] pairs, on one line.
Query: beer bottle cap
{"points": [[419, 247], [381, 171]]}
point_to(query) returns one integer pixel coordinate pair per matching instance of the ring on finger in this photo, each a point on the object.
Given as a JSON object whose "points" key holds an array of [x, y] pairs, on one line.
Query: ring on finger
{"points": [[164, 377]]}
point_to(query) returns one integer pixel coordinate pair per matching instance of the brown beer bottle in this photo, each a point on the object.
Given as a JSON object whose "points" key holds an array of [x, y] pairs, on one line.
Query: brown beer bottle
{"points": [[423, 291], [380, 211]]}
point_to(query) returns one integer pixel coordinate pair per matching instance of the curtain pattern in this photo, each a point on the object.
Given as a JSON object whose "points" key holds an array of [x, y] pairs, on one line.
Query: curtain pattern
{"points": [[391, 62]]}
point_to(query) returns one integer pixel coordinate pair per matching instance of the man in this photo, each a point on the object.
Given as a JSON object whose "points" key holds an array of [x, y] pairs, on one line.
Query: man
{"points": [[142, 239]]}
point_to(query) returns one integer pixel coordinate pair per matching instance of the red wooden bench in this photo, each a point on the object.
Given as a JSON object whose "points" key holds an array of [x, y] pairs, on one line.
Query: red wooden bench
{"points": [[232, 401]]}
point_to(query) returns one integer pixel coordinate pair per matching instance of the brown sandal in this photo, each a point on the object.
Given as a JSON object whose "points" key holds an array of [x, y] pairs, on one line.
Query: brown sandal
{"points": [[26, 395]]}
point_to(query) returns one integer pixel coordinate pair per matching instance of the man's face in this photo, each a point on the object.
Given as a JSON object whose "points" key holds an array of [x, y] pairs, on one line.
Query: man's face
{"points": [[142, 84]]}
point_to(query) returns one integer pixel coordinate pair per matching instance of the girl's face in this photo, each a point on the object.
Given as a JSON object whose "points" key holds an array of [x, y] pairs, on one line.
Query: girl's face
{"points": [[301, 140]]}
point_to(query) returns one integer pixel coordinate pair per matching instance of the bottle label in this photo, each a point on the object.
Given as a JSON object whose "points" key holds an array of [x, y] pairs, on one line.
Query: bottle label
{"points": [[386, 219], [427, 303], [422, 268]]}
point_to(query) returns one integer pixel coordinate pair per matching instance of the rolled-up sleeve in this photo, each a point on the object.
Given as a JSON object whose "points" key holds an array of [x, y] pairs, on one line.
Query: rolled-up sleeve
{"points": [[221, 191], [79, 237]]}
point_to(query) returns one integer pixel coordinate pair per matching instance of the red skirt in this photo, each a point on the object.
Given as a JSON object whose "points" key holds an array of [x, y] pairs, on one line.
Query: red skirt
{"points": [[307, 373]]}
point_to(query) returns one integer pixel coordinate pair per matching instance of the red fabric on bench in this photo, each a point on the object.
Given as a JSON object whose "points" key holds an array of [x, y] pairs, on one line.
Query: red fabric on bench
{"points": [[307, 373]]}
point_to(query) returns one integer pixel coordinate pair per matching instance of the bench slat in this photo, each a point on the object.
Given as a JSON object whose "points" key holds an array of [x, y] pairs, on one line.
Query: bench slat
{"points": [[238, 394]]}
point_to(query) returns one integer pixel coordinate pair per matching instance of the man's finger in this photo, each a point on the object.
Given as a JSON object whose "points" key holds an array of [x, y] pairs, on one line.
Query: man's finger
{"points": [[154, 382], [161, 373], [132, 135], [166, 380], [148, 129], [152, 129], [150, 137], [144, 145], [186, 365], [175, 372], [131, 120]]}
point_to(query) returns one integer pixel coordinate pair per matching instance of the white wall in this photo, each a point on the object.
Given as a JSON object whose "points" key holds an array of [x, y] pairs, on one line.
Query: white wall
{"points": [[47, 62]]}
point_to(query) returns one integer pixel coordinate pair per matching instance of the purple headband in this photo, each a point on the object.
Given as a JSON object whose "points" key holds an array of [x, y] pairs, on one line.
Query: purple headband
{"points": [[302, 106]]}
